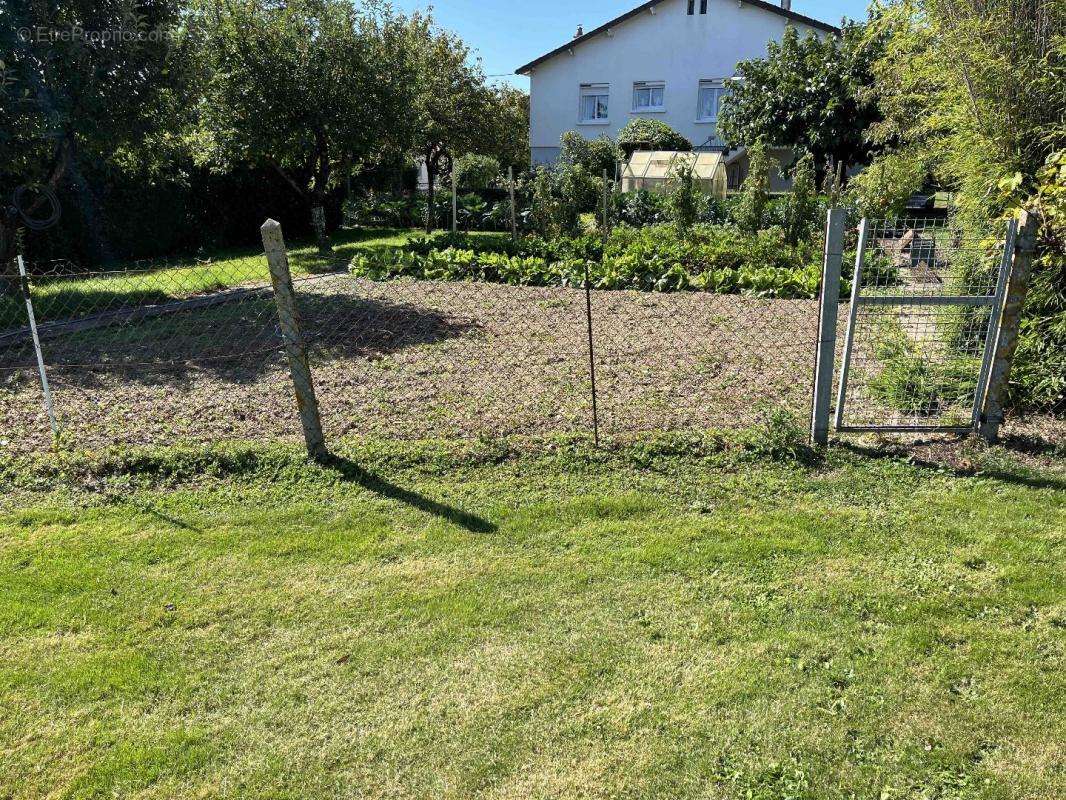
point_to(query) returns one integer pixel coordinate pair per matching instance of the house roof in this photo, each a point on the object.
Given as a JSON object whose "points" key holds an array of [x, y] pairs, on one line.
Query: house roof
{"points": [[761, 4]]}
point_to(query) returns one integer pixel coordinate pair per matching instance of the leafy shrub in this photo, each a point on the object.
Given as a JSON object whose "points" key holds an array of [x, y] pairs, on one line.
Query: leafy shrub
{"points": [[684, 197], [750, 210], [595, 155], [776, 435], [476, 173], [641, 208], [799, 215], [883, 188], [642, 133]]}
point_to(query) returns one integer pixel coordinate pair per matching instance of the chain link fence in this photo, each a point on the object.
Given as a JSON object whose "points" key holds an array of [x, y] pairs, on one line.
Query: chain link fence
{"points": [[164, 353]]}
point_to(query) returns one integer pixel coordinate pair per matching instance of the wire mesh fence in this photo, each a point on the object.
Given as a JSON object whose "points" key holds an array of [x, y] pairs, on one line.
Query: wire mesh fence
{"points": [[920, 322], [164, 353]]}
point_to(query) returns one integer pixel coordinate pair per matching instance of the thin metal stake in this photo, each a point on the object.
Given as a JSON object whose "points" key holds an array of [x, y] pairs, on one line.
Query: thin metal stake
{"points": [[592, 359], [514, 213], [37, 346], [455, 200], [849, 337]]}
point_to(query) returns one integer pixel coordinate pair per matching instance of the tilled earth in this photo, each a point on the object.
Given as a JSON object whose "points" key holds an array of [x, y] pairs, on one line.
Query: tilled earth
{"points": [[418, 359]]}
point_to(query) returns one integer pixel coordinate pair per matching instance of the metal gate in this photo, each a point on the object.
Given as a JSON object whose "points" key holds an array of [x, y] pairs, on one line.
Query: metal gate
{"points": [[926, 301]]}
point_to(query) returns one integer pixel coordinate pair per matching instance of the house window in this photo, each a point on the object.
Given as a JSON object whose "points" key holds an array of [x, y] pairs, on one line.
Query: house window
{"points": [[594, 98], [710, 100], [703, 6], [649, 96], [691, 7]]}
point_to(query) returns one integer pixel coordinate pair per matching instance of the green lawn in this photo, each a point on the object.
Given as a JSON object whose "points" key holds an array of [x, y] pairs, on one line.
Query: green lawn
{"points": [[168, 279], [664, 620]]}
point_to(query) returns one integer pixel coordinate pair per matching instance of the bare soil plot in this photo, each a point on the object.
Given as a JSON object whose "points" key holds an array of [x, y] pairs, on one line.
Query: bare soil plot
{"points": [[421, 358]]}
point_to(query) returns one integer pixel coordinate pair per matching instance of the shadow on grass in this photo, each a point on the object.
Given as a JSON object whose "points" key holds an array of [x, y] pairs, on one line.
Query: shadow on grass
{"points": [[353, 473], [239, 341], [1019, 477]]}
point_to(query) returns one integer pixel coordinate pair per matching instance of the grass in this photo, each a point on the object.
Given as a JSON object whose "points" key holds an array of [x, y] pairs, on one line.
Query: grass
{"points": [[672, 618], [155, 282]]}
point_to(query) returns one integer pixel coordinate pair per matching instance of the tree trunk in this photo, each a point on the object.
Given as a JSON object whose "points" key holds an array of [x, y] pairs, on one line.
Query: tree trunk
{"points": [[318, 221]]}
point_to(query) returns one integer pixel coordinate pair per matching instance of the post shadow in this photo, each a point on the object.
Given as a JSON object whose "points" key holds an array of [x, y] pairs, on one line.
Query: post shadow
{"points": [[353, 473]]}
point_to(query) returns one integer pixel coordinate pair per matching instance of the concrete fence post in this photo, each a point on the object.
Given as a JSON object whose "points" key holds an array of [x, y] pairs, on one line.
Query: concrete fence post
{"points": [[827, 325], [299, 369], [1006, 337]]}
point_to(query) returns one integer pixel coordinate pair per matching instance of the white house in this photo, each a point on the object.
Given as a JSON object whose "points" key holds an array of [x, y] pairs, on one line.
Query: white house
{"points": [[668, 59]]}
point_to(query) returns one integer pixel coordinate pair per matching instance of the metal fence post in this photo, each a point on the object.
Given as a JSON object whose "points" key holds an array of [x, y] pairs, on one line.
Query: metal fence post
{"points": [[514, 212], [455, 200], [299, 369], [827, 325], [606, 218], [1006, 340], [28, 297]]}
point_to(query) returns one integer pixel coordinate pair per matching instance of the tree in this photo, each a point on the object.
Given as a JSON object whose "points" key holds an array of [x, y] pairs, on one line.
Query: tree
{"points": [[85, 85], [311, 88], [642, 133], [808, 93], [452, 107], [509, 120]]}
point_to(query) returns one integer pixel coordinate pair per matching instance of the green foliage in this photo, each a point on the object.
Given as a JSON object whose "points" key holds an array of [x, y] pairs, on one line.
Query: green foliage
{"points": [[800, 214], [882, 189], [642, 133], [641, 208], [750, 211], [476, 172], [684, 196], [548, 212], [809, 93], [777, 435], [711, 259], [595, 155]]}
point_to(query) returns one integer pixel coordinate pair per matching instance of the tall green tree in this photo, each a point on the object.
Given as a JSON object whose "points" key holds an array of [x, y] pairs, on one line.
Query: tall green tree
{"points": [[86, 86], [809, 93], [452, 109], [310, 88]]}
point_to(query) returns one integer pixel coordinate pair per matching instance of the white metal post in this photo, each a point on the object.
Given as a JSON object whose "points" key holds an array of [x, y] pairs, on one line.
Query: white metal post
{"points": [[514, 212], [455, 199], [49, 406], [827, 325], [849, 336]]}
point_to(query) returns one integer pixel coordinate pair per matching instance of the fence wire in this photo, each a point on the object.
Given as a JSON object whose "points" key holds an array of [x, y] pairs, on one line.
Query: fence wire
{"points": [[916, 358], [190, 353]]}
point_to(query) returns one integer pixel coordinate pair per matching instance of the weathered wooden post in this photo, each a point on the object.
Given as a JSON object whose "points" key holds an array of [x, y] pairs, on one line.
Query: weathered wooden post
{"points": [[514, 212], [455, 199], [827, 325], [299, 369], [1006, 332]]}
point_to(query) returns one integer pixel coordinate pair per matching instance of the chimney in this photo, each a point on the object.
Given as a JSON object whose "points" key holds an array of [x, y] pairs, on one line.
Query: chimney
{"points": [[581, 30], [786, 4]]}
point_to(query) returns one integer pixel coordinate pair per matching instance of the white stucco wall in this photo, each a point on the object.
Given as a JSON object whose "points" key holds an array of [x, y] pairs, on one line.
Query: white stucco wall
{"points": [[668, 46]]}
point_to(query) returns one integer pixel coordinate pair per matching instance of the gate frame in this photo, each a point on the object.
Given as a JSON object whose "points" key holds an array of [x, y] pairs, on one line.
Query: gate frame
{"points": [[996, 300]]}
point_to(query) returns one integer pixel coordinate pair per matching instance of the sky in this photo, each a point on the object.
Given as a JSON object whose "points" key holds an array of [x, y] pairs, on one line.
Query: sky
{"points": [[508, 34]]}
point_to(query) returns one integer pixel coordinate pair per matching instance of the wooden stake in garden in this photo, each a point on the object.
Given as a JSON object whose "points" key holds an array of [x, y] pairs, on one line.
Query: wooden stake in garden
{"points": [[48, 404], [1005, 334], [299, 369], [514, 212]]}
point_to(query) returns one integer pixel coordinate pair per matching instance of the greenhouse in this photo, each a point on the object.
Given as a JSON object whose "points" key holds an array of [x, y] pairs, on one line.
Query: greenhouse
{"points": [[651, 169]]}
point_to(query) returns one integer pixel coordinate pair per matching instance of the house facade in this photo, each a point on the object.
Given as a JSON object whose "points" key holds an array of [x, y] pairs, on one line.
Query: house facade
{"points": [[672, 60]]}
